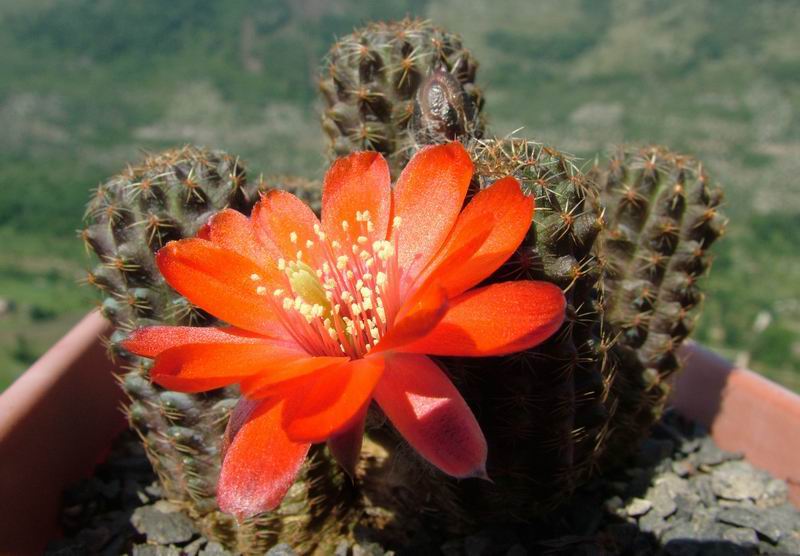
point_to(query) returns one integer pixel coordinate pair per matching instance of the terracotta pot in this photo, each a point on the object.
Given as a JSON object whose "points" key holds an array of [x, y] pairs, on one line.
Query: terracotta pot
{"points": [[59, 418], [57, 421], [745, 412]]}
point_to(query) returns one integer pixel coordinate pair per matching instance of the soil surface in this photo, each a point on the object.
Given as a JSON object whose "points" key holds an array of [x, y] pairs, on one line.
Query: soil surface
{"points": [[680, 496]]}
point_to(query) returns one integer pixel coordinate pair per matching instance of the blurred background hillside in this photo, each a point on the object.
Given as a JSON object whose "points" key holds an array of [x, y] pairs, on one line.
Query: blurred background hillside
{"points": [[86, 85]]}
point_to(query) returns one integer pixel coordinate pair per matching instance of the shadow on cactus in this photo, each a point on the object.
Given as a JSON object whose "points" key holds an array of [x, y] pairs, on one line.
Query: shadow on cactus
{"points": [[554, 403]]}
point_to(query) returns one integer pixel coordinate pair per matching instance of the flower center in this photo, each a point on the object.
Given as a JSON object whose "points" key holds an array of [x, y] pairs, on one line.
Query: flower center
{"points": [[339, 299]]}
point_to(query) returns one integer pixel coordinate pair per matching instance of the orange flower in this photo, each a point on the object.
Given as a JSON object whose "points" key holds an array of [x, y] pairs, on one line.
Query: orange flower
{"points": [[327, 316]]}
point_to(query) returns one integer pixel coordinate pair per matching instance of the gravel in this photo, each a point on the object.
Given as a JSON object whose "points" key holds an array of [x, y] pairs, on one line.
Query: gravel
{"points": [[680, 496]]}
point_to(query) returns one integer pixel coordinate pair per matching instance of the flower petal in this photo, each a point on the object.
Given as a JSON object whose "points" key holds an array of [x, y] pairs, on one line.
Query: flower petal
{"points": [[506, 213], [152, 340], [357, 183], [331, 400], [200, 367], [222, 282], [428, 198], [431, 415], [285, 221], [260, 462], [346, 445], [277, 380], [232, 230], [415, 319], [495, 320]]}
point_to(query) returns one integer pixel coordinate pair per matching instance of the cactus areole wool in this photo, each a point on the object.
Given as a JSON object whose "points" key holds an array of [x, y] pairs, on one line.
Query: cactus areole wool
{"points": [[329, 314]]}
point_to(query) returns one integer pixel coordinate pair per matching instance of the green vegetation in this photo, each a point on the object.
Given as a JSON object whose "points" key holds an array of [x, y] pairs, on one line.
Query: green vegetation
{"points": [[86, 84]]}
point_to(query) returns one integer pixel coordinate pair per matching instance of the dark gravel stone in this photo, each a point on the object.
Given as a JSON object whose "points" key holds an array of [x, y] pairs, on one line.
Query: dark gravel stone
{"points": [[216, 549], [638, 507], [741, 536], [155, 550], [282, 549], [163, 527], [737, 480], [194, 547], [710, 454], [754, 519]]}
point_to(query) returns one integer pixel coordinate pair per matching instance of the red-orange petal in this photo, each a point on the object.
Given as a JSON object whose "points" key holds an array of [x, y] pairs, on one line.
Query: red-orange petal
{"points": [[331, 400], [288, 223], [345, 446], [356, 183], [152, 340], [232, 230], [201, 367], [506, 213], [260, 462], [221, 282], [428, 198], [495, 320], [415, 319], [428, 411], [284, 377]]}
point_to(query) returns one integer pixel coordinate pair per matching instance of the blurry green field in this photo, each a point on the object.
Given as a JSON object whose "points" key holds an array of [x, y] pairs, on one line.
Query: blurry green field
{"points": [[85, 85]]}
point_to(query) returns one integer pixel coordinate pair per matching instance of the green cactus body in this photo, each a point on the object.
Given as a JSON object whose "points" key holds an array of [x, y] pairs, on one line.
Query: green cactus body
{"points": [[661, 217], [373, 77], [131, 216]]}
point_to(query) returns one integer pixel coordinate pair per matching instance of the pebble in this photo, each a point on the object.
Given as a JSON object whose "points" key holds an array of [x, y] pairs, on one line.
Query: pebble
{"points": [[638, 507], [736, 480], [163, 527], [216, 549]]}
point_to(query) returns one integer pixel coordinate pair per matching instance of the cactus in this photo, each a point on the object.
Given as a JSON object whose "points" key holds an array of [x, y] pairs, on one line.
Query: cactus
{"points": [[660, 217], [170, 196], [626, 243], [371, 86]]}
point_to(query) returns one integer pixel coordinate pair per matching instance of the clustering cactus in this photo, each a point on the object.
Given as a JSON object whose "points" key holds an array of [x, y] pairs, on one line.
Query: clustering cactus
{"points": [[371, 83], [626, 243], [661, 216], [130, 217]]}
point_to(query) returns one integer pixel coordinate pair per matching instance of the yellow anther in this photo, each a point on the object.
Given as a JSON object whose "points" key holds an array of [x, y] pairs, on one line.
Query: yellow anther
{"points": [[309, 244], [341, 262], [362, 240], [305, 283], [345, 225], [293, 237], [261, 290], [381, 313], [396, 222], [255, 277], [370, 226], [380, 279], [278, 292], [281, 264]]}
